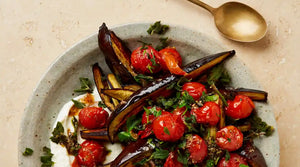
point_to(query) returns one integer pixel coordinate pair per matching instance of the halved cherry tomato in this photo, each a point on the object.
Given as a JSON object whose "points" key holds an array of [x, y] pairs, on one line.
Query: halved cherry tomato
{"points": [[93, 117], [209, 113], [171, 61], [195, 89], [91, 153], [169, 51], [167, 128], [235, 160], [197, 148], [172, 161], [240, 107], [229, 138], [145, 60]]}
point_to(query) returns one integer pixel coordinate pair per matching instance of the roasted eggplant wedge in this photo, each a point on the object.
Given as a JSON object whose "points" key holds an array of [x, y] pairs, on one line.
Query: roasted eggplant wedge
{"points": [[158, 88], [253, 155], [101, 85], [257, 95], [117, 55], [120, 94], [132, 153], [95, 134]]}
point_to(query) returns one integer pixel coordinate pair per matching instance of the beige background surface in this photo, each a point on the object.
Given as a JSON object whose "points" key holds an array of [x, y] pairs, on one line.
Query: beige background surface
{"points": [[33, 33]]}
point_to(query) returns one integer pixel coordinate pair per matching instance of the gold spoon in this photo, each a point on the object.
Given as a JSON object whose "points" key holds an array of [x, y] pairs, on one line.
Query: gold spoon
{"points": [[237, 21]]}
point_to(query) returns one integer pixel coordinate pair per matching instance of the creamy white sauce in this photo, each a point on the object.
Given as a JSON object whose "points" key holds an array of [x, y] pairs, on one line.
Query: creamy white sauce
{"points": [[61, 156]]}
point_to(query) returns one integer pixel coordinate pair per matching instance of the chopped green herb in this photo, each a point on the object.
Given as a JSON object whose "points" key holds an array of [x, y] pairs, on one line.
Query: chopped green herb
{"points": [[58, 134], [166, 130], [210, 163], [78, 104], [132, 122], [218, 75], [125, 137], [186, 100], [46, 159], [150, 68], [243, 165], [183, 158], [144, 44], [182, 145], [157, 28], [205, 97], [227, 155], [259, 127], [85, 86], [141, 162], [160, 154], [101, 104], [229, 140], [144, 77], [163, 43], [28, 152]]}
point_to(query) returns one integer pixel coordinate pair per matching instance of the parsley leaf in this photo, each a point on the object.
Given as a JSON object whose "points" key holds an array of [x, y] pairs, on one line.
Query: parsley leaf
{"points": [[186, 100], [78, 104], [132, 122], [183, 158], [58, 134], [243, 165], [85, 86], [101, 104], [160, 154], [259, 127], [157, 28], [227, 155], [166, 130], [28, 152], [138, 78], [46, 159], [125, 137], [163, 43], [218, 74], [210, 163]]}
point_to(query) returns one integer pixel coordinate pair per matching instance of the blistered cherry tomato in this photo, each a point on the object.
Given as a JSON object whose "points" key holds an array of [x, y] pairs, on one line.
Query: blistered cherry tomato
{"points": [[194, 89], [178, 114], [147, 120], [93, 117], [167, 128], [197, 148], [209, 113], [171, 51], [171, 61], [172, 161], [229, 138], [240, 107], [235, 160], [144, 60], [91, 153]]}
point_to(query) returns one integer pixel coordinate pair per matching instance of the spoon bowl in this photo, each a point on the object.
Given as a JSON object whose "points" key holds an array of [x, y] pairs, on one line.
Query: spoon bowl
{"points": [[237, 21]]}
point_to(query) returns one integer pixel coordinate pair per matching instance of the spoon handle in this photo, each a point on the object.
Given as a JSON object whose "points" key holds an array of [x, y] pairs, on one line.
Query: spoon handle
{"points": [[204, 5]]}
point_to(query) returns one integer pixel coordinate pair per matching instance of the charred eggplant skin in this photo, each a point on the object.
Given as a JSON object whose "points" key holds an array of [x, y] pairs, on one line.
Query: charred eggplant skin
{"points": [[157, 88], [257, 95], [105, 45], [96, 134], [253, 155], [133, 153]]}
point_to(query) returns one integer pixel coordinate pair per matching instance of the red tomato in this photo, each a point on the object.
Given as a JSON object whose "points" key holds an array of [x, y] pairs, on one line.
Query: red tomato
{"points": [[170, 51], [197, 148], [229, 138], [144, 60], [149, 118], [171, 61], [240, 107], [172, 160], [91, 153], [194, 89], [178, 114], [235, 160], [209, 113], [93, 117], [166, 128]]}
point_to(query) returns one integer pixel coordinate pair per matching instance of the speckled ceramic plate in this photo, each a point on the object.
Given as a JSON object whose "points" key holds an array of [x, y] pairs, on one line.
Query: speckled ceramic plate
{"points": [[57, 85]]}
